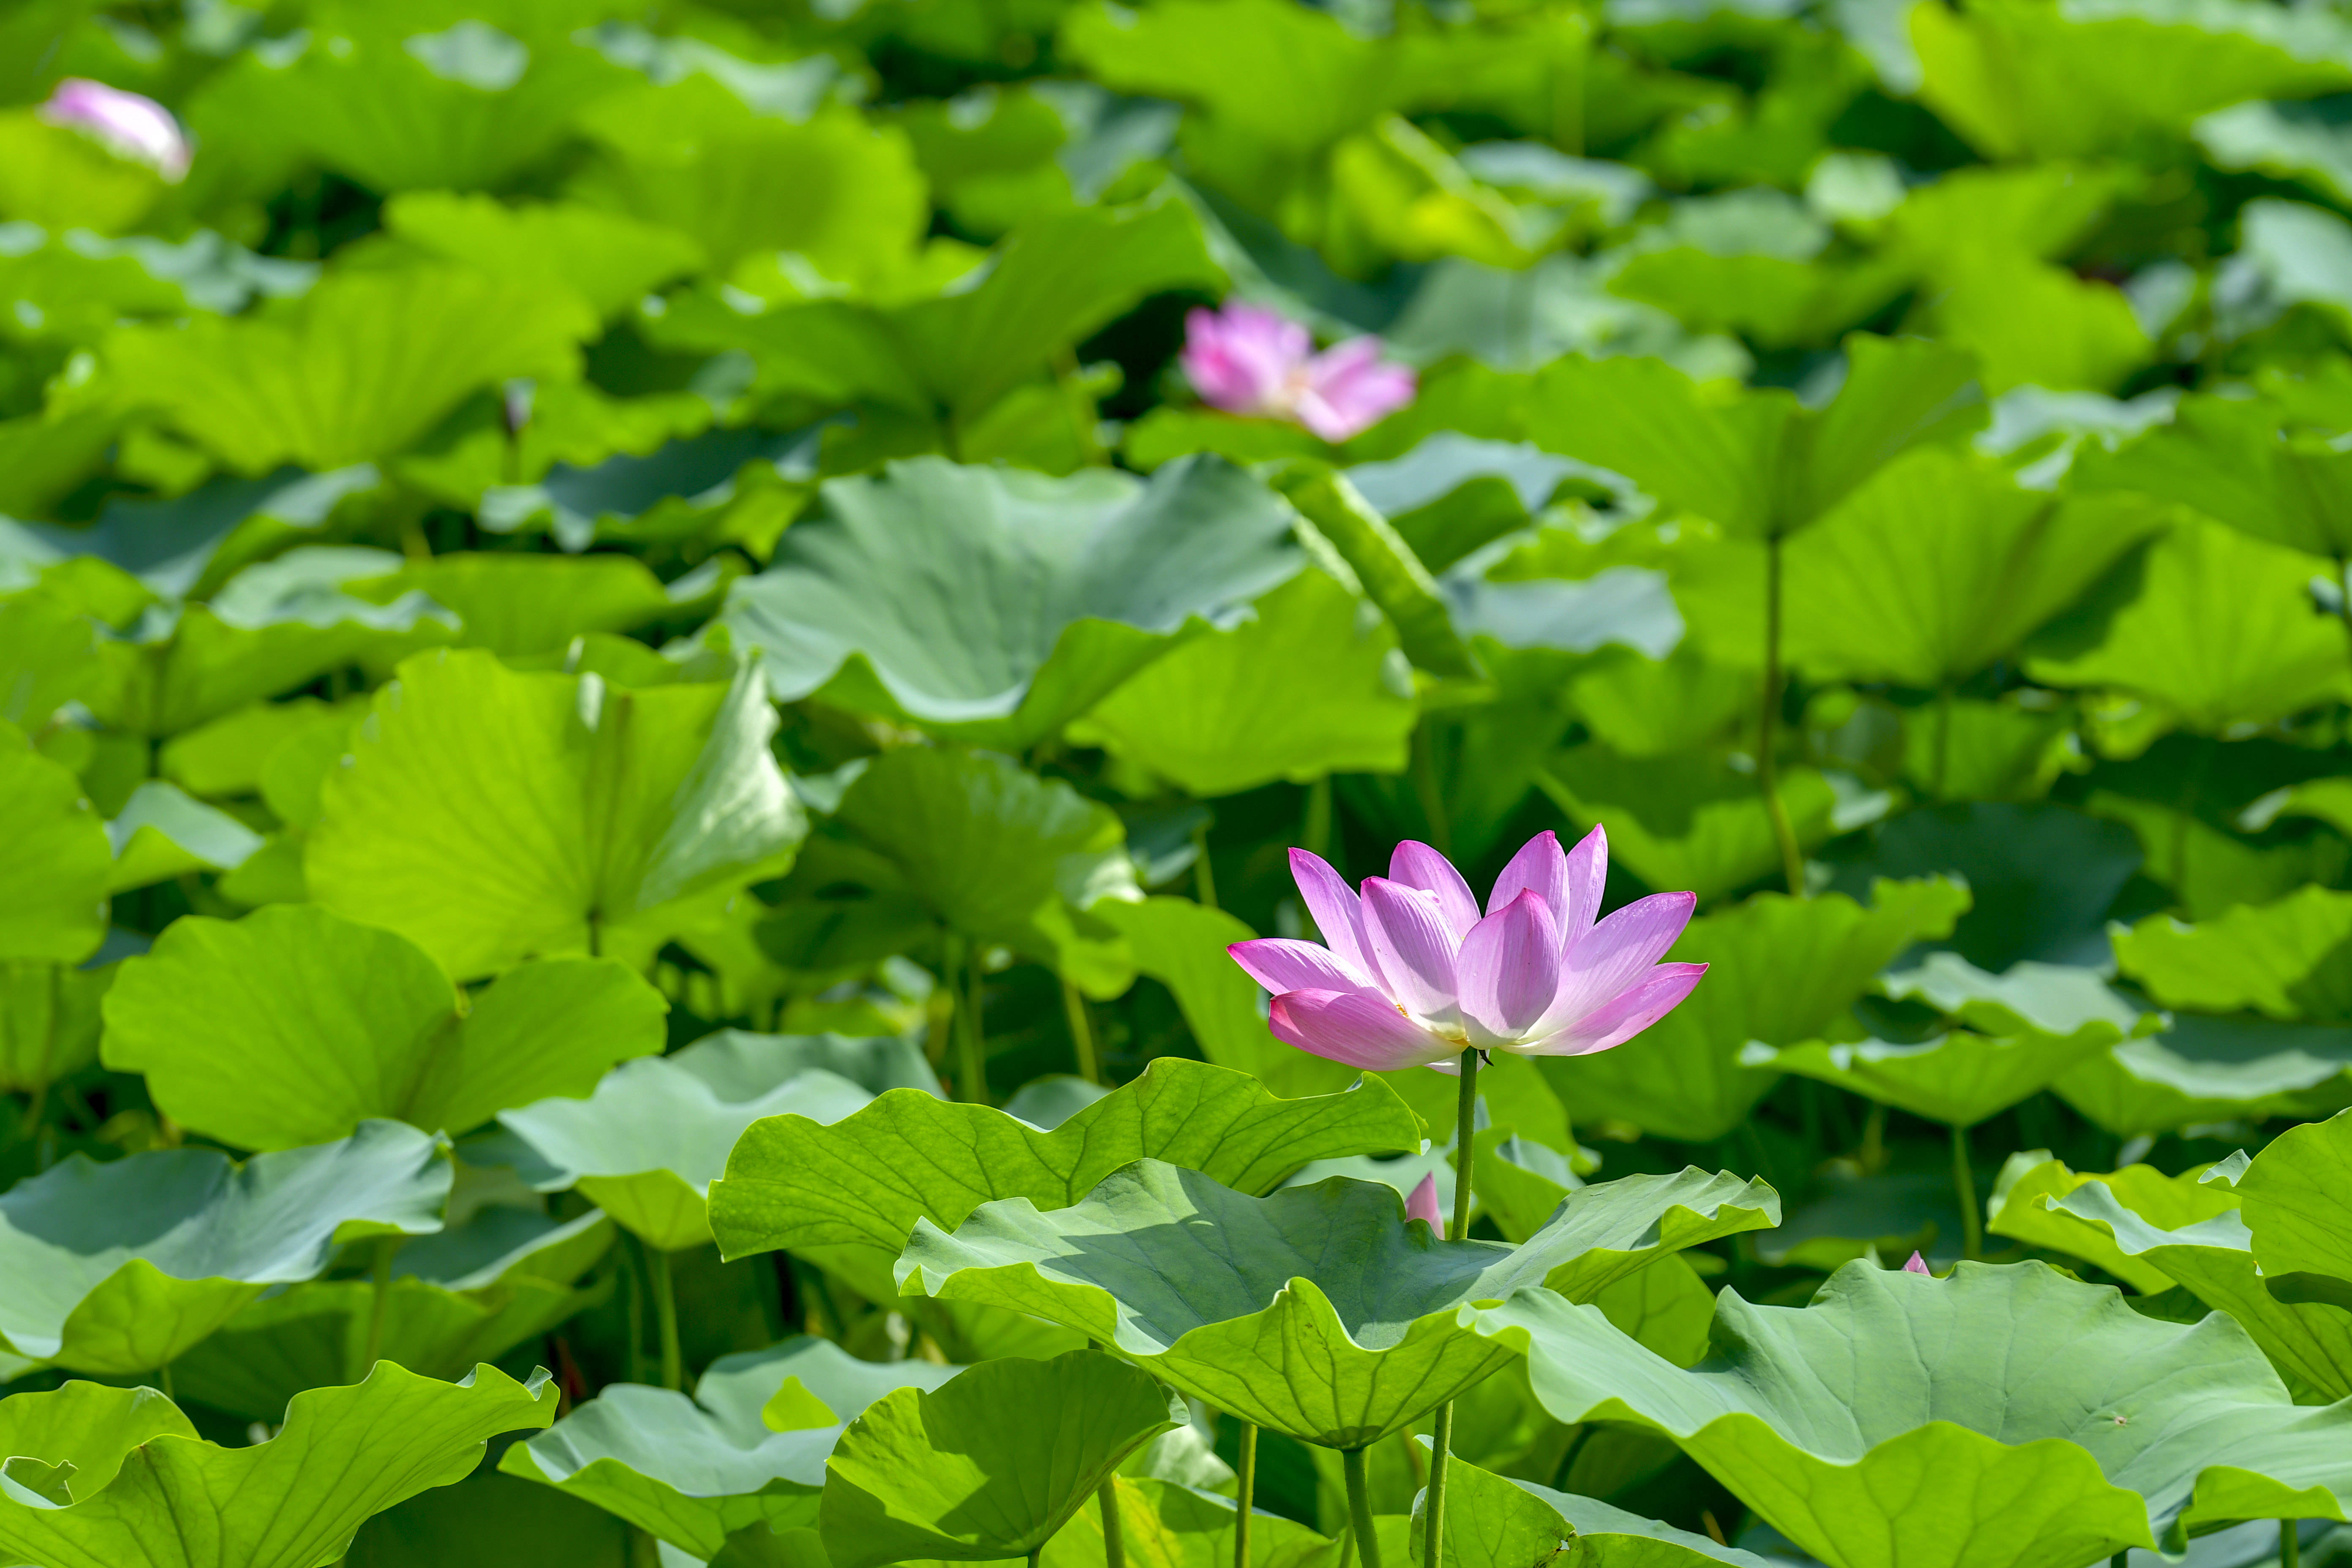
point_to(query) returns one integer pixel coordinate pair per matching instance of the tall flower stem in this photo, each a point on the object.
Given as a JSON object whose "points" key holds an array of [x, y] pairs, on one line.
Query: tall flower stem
{"points": [[1792, 858], [1943, 738], [1204, 876], [1964, 1187], [1359, 1508], [2290, 1544], [1466, 1150], [962, 963], [673, 1371], [1082, 1034], [1426, 789], [1114, 1541], [1248, 1469]]}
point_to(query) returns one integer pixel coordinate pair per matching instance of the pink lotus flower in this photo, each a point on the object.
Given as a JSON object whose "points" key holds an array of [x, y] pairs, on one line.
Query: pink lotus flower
{"points": [[1411, 974], [1422, 1205], [133, 127], [1917, 1264], [1245, 359]]}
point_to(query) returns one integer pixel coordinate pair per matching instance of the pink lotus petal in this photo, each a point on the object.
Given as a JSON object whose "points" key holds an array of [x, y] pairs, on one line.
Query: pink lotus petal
{"points": [[1917, 1265], [1280, 964], [1541, 868], [1351, 1027], [1339, 917], [1245, 360], [1509, 967], [1413, 946], [1422, 1205], [131, 127], [1611, 1026], [1417, 865], [1588, 875], [1615, 955], [1348, 390]]}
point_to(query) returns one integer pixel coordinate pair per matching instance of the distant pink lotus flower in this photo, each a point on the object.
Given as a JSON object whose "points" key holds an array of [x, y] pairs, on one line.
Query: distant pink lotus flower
{"points": [[133, 127], [1245, 359], [1422, 1205], [1411, 974], [1917, 1264]]}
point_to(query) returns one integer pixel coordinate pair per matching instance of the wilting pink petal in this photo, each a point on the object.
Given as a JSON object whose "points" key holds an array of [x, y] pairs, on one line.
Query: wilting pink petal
{"points": [[1351, 1027], [1281, 963], [1336, 911], [131, 127], [1422, 1205], [1617, 1021], [1540, 868], [1509, 969], [1349, 389], [1615, 954], [1917, 1265], [1588, 875], [1418, 866], [1412, 946]]}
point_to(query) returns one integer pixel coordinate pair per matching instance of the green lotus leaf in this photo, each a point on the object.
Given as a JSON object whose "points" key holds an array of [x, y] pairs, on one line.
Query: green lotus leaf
{"points": [[612, 477], [49, 656], [1392, 575], [132, 1482], [590, 818], [462, 1295], [996, 605], [1001, 855], [1313, 1311], [608, 260], [161, 833], [1682, 1076], [849, 1195], [1494, 1522], [53, 883], [2201, 1069], [396, 350], [2294, 1197], [293, 1025], [2227, 460], [1938, 565], [48, 1021], [2239, 601], [519, 604], [1686, 822], [648, 1144], [1170, 1525], [1311, 686], [2003, 1416], [692, 1472], [117, 1268], [2284, 960], [991, 1465], [490, 1520]]}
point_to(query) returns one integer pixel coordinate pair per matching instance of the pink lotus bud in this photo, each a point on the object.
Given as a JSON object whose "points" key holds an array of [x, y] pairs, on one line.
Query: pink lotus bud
{"points": [[1422, 1205], [133, 127], [1917, 1265], [1245, 359]]}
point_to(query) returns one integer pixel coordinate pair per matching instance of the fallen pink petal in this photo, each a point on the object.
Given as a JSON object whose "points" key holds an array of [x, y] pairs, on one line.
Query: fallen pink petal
{"points": [[131, 127], [1412, 970], [1248, 360]]}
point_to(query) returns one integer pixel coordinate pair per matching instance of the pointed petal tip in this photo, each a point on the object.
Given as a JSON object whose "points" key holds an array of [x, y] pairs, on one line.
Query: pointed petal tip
{"points": [[1917, 1265], [1422, 1203]]}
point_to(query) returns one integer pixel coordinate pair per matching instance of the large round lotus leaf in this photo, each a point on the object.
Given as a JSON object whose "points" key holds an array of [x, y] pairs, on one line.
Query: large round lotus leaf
{"points": [[458, 1298], [2154, 1231], [117, 1268], [489, 816], [646, 1145], [2004, 1418], [1317, 1312], [2289, 960], [989, 1466], [53, 878], [112, 1476], [1780, 971], [293, 1025], [849, 1194], [2297, 1197], [1494, 1522], [747, 1450], [161, 833], [48, 1020], [2214, 1069], [996, 605]]}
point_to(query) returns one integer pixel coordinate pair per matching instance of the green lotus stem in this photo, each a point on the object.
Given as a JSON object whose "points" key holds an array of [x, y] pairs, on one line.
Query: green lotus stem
{"points": [[37, 1101], [1204, 876], [673, 1371], [1360, 1507], [163, 1381], [1943, 737], [1114, 1542], [961, 967], [1792, 858], [2119, 1558], [1466, 1152], [1315, 832], [1425, 790], [1964, 1187], [1082, 1034], [1248, 1496], [380, 1302], [633, 1265], [2290, 1544]]}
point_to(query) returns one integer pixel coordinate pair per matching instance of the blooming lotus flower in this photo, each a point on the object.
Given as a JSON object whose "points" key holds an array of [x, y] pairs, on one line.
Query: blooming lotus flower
{"points": [[1411, 974], [1422, 1205], [1245, 359], [1917, 1264], [133, 127]]}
